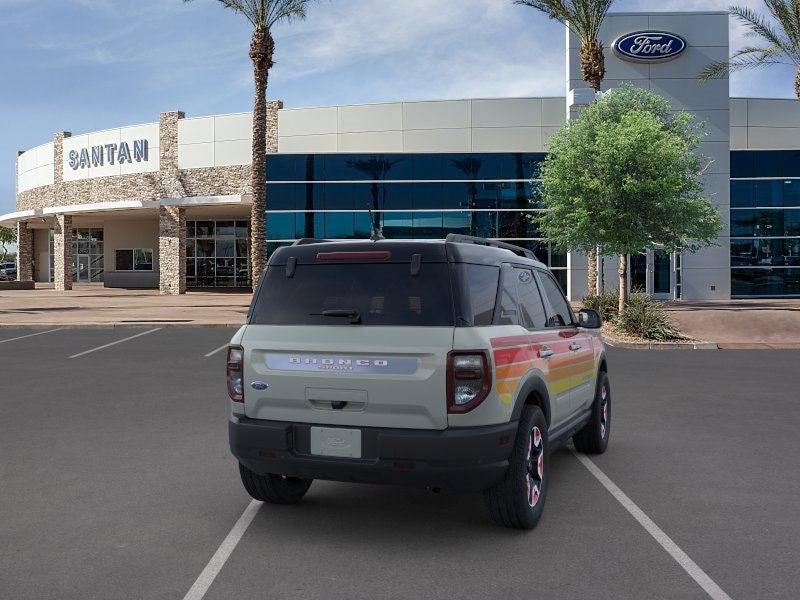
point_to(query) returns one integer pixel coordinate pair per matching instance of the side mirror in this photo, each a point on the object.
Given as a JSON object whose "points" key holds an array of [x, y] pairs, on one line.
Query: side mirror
{"points": [[589, 319]]}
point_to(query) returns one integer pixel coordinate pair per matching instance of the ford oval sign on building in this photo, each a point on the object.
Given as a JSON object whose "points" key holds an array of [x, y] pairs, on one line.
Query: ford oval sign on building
{"points": [[649, 46]]}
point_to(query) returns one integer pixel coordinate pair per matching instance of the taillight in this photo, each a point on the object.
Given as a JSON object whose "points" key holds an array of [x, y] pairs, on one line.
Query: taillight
{"points": [[468, 379], [235, 373]]}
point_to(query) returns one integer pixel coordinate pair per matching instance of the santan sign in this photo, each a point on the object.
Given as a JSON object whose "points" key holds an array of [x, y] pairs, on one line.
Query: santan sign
{"points": [[97, 156], [649, 46]]}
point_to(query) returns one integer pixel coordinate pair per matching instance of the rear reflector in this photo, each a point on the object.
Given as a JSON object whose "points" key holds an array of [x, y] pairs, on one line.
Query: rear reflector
{"points": [[354, 256]]}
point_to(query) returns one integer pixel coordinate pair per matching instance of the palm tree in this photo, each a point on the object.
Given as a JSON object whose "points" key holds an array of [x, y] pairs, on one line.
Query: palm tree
{"points": [[263, 15], [584, 19], [780, 42]]}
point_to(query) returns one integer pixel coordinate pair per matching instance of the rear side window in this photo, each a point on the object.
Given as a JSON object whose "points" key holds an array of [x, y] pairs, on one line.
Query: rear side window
{"points": [[477, 293], [507, 311], [561, 315], [530, 300], [380, 294]]}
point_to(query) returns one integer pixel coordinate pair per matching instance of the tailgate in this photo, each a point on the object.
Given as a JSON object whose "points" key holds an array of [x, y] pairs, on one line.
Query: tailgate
{"points": [[378, 376]]}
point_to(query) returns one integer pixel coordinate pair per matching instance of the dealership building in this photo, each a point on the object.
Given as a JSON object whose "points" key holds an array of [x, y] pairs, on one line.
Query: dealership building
{"points": [[167, 204]]}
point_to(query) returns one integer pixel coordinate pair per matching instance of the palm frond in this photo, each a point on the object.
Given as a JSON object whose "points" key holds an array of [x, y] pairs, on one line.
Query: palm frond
{"points": [[759, 26], [745, 58], [583, 17]]}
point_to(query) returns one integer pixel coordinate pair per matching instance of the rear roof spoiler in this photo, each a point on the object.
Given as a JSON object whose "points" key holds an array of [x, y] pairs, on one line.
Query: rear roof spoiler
{"points": [[456, 238]]}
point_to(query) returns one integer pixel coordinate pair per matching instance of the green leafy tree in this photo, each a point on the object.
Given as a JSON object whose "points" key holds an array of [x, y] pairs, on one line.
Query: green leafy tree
{"points": [[263, 15], [626, 175], [778, 40], [8, 236], [584, 19]]}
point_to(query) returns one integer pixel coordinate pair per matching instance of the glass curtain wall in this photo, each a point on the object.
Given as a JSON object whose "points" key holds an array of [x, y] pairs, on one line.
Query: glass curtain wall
{"points": [[765, 223], [217, 254], [411, 195]]}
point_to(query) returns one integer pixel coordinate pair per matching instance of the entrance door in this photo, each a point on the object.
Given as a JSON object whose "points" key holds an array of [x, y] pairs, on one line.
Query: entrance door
{"points": [[662, 272], [83, 268], [638, 270]]}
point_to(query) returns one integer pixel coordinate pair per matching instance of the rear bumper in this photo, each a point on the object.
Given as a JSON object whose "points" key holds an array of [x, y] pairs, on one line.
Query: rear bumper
{"points": [[463, 460]]}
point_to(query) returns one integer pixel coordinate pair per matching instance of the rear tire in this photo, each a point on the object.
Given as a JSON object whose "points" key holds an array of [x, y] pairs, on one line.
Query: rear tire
{"points": [[274, 489], [593, 438], [518, 500]]}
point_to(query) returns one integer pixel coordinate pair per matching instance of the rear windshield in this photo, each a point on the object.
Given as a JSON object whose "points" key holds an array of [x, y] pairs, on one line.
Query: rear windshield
{"points": [[379, 294]]}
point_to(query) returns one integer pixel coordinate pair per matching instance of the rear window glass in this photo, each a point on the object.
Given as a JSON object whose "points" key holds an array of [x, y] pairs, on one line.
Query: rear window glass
{"points": [[381, 294]]}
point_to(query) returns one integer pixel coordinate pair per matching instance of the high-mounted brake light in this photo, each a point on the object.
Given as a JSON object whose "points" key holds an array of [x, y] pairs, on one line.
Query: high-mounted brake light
{"points": [[354, 256], [468, 379], [235, 373]]}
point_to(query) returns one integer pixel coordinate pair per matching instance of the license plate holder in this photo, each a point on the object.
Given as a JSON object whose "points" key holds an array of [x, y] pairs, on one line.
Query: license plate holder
{"points": [[335, 441]]}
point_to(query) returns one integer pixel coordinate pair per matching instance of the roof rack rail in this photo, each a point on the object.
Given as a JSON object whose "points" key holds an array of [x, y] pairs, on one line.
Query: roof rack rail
{"points": [[305, 241], [457, 238]]}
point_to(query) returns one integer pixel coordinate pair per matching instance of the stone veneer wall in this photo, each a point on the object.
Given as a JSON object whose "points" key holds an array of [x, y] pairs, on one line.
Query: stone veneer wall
{"points": [[169, 182], [24, 252], [62, 251], [172, 250]]}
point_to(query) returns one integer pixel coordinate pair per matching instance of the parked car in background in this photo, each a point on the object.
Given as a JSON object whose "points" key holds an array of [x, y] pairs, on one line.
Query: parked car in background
{"points": [[8, 271]]}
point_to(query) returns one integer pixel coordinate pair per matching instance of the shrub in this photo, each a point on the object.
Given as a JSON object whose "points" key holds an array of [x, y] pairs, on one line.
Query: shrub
{"points": [[646, 318], [606, 303]]}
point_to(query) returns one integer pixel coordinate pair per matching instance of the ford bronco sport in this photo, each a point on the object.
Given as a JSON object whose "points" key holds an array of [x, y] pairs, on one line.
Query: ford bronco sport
{"points": [[449, 364]]}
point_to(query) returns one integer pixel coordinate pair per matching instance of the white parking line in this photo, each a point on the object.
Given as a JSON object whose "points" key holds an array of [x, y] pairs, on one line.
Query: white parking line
{"points": [[694, 571], [213, 352], [214, 566], [22, 337], [115, 343]]}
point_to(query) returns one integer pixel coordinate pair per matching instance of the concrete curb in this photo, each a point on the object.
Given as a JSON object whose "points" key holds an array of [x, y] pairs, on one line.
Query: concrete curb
{"points": [[662, 345]]}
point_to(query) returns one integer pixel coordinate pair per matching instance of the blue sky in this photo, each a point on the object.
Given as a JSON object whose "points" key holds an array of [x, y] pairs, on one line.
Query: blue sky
{"points": [[84, 65]]}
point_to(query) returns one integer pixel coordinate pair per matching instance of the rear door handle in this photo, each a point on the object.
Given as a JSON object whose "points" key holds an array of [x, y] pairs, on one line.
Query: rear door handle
{"points": [[546, 352], [575, 347]]}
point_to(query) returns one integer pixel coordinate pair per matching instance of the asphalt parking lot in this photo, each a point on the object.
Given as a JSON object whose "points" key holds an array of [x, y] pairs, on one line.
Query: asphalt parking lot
{"points": [[116, 482]]}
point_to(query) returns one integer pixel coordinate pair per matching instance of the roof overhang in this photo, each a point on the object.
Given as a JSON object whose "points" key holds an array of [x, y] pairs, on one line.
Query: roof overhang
{"points": [[13, 218]]}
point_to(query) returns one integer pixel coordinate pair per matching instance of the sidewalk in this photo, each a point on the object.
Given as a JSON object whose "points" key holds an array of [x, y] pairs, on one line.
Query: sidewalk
{"points": [[740, 323], [90, 305]]}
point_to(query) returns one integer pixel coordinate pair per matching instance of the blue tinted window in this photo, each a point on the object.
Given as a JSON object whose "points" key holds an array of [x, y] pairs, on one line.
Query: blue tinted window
{"points": [[768, 163], [428, 225], [768, 193], [398, 225], [455, 195], [458, 222], [282, 196], [791, 222], [485, 224], [339, 225], [426, 166], [742, 164], [765, 282], [742, 223], [791, 192], [790, 165], [741, 194], [395, 196], [339, 196], [427, 195], [281, 167], [280, 226], [363, 229]]}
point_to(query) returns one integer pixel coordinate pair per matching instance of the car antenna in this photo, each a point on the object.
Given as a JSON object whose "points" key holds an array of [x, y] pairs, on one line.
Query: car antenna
{"points": [[377, 234]]}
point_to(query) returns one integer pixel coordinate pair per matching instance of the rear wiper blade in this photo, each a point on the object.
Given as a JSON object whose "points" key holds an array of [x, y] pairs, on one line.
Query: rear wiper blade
{"points": [[353, 315]]}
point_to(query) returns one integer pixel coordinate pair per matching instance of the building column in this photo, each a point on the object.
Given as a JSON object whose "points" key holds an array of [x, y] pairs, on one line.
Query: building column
{"points": [[24, 252], [171, 250], [62, 253]]}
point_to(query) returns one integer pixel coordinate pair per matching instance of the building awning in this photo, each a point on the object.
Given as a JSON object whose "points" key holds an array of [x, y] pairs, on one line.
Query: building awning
{"points": [[11, 219]]}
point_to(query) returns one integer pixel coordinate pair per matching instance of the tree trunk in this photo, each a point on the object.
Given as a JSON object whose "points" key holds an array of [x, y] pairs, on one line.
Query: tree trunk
{"points": [[262, 48], [797, 84], [623, 282], [591, 280], [593, 64]]}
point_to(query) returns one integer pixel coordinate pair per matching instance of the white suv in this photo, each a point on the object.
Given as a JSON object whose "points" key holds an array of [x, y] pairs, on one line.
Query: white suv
{"points": [[454, 364]]}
